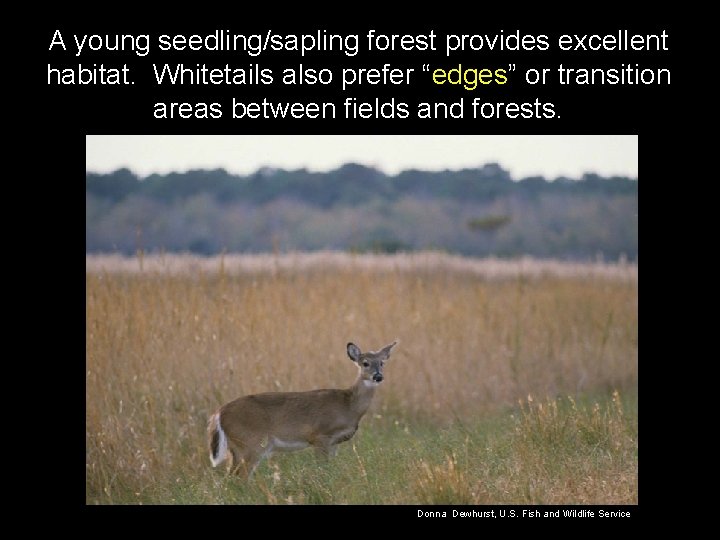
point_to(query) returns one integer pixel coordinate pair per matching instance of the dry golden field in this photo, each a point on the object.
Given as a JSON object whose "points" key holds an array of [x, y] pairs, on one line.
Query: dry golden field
{"points": [[513, 382]]}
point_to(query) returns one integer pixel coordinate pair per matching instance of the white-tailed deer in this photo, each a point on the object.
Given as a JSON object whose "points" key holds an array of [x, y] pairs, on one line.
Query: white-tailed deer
{"points": [[253, 427]]}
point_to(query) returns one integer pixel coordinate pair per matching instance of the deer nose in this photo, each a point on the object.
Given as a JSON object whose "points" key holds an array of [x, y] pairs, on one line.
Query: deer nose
{"points": [[377, 377]]}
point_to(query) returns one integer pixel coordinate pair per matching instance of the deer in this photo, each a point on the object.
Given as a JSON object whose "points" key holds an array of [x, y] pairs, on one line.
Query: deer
{"points": [[255, 426]]}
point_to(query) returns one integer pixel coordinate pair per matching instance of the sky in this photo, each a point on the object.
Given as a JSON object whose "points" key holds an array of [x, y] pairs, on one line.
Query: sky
{"points": [[522, 155]]}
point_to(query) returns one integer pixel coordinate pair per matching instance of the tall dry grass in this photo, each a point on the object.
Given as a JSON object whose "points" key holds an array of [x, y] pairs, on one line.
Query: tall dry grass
{"points": [[165, 348], [553, 451]]}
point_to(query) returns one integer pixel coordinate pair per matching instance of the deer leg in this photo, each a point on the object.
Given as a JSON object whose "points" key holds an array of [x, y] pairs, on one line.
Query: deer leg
{"points": [[246, 463], [325, 449], [246, 458], [236, 460]]}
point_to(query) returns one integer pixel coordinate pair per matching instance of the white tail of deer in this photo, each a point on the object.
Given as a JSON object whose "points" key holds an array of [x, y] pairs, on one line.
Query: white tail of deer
{"points": [[253, 427]]}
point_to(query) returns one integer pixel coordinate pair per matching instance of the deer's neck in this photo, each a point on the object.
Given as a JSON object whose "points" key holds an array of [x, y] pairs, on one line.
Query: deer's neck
{"points": [[361, 394]]}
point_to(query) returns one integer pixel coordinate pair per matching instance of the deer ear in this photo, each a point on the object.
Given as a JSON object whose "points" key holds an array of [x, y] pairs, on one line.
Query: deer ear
{"points": [[353, 352], [387, 348]]}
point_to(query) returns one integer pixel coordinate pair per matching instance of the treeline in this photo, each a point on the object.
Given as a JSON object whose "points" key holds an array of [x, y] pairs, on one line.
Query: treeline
{"points": [[349, 185], [480, 211]]}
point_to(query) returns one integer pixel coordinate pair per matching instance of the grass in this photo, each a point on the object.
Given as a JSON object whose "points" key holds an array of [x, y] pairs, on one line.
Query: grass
{"points": [[502, 389]]}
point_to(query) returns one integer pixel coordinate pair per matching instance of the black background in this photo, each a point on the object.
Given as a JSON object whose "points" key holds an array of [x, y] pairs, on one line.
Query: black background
{"points": [[69, 113]]}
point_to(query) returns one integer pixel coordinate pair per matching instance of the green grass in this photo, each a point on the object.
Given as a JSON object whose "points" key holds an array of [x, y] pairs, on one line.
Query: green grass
{"points": [[548, 452]]}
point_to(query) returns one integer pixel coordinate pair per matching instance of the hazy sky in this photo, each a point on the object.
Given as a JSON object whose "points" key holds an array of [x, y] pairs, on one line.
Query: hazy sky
{"points": [[522, 155]]}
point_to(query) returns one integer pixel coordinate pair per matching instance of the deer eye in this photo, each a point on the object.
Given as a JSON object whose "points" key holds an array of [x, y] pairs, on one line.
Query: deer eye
{"points": [[366, 364]]}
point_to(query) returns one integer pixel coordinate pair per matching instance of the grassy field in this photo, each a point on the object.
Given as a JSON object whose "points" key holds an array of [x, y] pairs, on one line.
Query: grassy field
{"points": [[513, 382]]}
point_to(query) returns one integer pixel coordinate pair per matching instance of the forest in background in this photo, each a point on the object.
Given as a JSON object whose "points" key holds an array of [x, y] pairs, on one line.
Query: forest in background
{"points": [[479, 212]]}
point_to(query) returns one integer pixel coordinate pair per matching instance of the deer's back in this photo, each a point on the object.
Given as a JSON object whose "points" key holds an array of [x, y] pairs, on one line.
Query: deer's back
{"points": [[286, 414]]}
